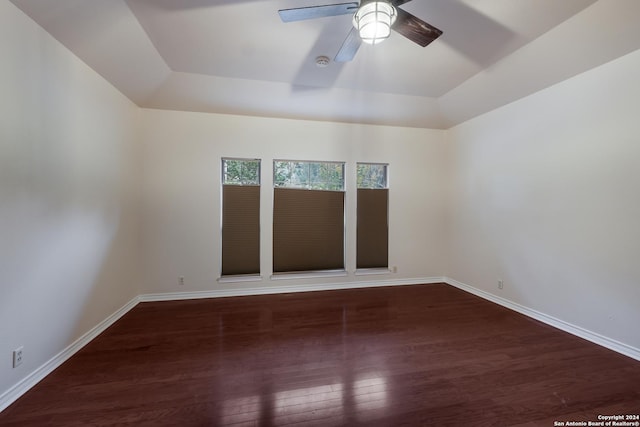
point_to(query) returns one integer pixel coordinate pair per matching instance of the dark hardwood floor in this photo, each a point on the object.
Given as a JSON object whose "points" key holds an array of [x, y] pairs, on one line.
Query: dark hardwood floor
{"points": [[427, 355]]}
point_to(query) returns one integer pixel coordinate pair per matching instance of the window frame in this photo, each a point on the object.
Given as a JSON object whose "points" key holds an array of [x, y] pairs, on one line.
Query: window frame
{"points": [[381, 269], [312, 272], [257, 183]]}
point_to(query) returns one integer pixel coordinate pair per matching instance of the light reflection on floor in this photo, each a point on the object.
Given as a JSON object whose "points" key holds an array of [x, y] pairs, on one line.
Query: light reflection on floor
{"points": [[370, 396], [242, 410], [324, 403], [320, 402]]}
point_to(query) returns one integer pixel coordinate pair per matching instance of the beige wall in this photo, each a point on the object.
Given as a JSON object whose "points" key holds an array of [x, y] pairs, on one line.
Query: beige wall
{"points": [[68, 180], [181, 187], [547, 197]]}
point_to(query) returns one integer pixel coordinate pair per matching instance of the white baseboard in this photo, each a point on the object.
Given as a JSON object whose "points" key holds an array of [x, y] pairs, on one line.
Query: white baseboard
{"points": [[11, 395], [266, 290], [578, 331]]}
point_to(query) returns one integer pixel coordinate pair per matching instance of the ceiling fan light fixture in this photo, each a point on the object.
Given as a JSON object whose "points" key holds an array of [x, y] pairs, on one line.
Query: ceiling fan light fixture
{"points": [[373, 20]]}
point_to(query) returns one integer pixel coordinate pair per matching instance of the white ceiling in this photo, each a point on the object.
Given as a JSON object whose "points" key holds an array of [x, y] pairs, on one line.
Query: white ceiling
{"points": [[237, 56]]}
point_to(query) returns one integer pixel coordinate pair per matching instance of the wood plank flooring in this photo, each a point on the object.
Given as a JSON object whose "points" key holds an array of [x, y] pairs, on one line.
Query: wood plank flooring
{"points": [[428, 355]]}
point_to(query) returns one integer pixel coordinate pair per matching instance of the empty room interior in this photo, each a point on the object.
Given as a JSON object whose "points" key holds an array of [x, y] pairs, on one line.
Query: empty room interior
{"points": [[256, 212]]}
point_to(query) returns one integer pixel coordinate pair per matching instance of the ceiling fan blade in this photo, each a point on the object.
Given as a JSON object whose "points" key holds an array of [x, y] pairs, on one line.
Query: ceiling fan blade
{"points": [[311, 12], [349, 47], [415, 29], [397, 3]]}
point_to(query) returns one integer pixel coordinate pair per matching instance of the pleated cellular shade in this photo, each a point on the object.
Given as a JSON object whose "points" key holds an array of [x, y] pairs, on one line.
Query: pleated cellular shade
{"points": [[240, 229], [308, 230], [373, 228]]}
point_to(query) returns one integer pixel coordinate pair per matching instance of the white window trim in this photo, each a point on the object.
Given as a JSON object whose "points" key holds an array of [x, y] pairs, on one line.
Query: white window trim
{"points": [[308, 274], [240, 278]]}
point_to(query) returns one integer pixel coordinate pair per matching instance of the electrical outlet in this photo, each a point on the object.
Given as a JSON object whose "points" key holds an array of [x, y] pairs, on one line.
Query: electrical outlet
{"points": [[500, 284], [181, 280], [394, 269], [17, 357]]}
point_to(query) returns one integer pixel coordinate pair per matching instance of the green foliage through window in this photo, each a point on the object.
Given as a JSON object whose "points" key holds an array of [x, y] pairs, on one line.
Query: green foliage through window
{"points": [[372, 175], [241, 172], [309, 175]]}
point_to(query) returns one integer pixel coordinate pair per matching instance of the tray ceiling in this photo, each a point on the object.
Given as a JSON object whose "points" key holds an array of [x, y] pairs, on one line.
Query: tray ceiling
{"points": [[238, 57]]}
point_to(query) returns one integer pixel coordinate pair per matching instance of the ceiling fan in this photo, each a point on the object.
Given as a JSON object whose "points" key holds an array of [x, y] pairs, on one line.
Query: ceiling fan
{"points": [[372, 23]]}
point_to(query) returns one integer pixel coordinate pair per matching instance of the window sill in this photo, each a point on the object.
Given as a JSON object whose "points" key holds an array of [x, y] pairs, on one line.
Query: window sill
{"points": [[240, 278], [371, 271], [309, 274]]}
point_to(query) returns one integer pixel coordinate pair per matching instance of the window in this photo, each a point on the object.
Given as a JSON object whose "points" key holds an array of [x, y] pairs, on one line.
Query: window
{"points": [[308, 216], [372, 247], [240, 216], [240, 172], [309, 175]]}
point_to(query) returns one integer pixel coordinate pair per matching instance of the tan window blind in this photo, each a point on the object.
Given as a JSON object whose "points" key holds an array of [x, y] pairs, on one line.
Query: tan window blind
{"points": [[372, 228], [308, 230], [240, 229]]}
